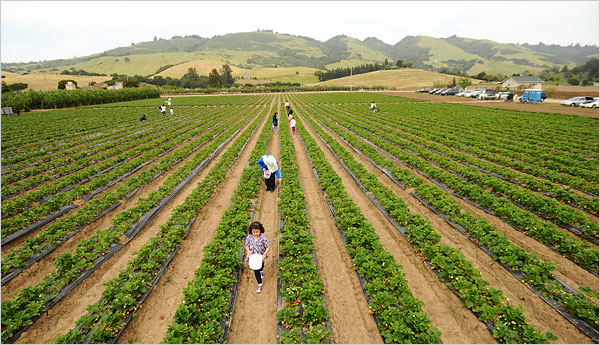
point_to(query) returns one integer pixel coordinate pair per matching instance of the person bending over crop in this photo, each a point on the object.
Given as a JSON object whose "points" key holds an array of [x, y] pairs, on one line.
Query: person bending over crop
{"points": [[270, 170], [257, 243]]}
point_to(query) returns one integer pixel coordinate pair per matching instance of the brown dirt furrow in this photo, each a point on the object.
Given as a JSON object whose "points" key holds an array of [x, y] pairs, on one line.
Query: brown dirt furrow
{"points": [[540, 315], [457, 324], [254, 318], [63, 315], [152, 321], [36, 273], [345, 300]]}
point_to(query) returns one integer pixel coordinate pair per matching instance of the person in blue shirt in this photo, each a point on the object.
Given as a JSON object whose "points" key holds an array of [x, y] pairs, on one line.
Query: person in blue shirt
{"points": [[270, 170]]}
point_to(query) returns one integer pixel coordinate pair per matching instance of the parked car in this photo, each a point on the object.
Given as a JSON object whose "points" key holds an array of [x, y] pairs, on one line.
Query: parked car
{"points": [[577, 101], [462, 93], [592, 104], [449, 92], [474, 93], [487, 94], [423, 90], [440, 91], [503, 95]]}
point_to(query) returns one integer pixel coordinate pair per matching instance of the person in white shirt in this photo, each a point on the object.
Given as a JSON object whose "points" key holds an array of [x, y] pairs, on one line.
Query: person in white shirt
{"points": [[171, 111], [169, 101], [293, 125]]}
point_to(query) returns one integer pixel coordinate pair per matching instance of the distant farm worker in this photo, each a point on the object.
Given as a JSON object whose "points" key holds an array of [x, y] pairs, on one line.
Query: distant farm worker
{"points": [[257, 243], [288, 111], [373, 106], [293, 125], [143, 118], [270, 170], [275, 121], [18, 112], [169, 102], [163, 109], [287, 104], [171, 111]]}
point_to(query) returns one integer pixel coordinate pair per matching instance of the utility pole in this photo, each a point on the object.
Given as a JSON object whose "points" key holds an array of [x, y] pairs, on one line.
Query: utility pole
{"points": [[436, 83], [350, 78]]}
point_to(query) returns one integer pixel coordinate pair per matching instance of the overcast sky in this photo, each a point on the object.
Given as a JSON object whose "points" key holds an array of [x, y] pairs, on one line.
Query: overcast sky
{"points": [[47, 30]]}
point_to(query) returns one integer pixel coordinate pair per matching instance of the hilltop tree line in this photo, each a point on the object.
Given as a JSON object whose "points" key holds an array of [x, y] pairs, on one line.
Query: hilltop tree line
{"points": [[585, 74], [347, 71]]}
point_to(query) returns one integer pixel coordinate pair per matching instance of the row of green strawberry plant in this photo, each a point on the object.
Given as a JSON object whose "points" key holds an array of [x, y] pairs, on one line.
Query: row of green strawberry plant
{"points": [[355, 97], [141, 157], [24, 142], [559, 133], [531, 270], [582, 167], [442, 143], [21, 311], [547, 208], [62, 148], [73, 145], [135, 147], [124, 294], [209, 298], [27, 179], [228, 100], [304, 317], [58, 232], [489, 304], [398, 314], [478, 145], [572, 248]]}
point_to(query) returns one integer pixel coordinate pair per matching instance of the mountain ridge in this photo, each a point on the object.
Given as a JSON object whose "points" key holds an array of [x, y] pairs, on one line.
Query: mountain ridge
{"points": [[267, 49]]}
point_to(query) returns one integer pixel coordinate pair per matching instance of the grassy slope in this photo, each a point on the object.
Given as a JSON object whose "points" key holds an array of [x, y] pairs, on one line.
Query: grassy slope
{"points": [[47, 81], [400, 79]]}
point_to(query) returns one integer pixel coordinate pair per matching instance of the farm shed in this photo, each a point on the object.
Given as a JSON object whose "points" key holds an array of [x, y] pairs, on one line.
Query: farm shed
{"points": [[515, 81]]}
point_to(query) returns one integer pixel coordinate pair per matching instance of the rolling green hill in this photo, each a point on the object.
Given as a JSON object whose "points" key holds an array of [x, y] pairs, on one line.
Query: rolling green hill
{"points": [[249, 52]]}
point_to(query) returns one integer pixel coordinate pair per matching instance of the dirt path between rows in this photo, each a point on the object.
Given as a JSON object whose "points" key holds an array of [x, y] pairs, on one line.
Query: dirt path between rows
{"points": [[457, 324], [345, 300], [254, 318], [63, 315], [540, 315], [36, 273], [152, 321]]}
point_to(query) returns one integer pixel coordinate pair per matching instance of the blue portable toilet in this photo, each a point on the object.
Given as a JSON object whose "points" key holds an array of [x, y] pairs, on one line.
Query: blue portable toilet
{"points": [[532, 96]]}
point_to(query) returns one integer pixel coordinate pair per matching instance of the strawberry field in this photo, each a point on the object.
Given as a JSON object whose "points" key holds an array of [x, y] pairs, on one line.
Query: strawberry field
{"points": [[420, 223]]}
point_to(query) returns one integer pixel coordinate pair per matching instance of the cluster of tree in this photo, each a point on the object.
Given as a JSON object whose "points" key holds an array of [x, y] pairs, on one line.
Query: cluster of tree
{"points": [[62, 85], [72, 71], [586, 74], [13, 87], [191, 80], [344, 72]]}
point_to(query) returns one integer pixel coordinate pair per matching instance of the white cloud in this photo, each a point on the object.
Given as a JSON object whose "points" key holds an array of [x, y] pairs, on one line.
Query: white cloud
{"points": [[44, 30]]}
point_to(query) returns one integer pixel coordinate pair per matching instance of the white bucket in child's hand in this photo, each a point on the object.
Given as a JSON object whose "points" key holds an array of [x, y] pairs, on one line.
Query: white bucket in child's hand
{"points": [[255, 261]]}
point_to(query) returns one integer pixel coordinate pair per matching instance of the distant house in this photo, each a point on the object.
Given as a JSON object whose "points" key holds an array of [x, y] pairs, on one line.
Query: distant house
{"points": [[516, 81], [70, 86], [246, 76], [118, 85]]}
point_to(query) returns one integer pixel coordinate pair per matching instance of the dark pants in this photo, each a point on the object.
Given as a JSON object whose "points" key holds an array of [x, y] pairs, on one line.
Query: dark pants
{"points": [[270, 182], [257, 273]]}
